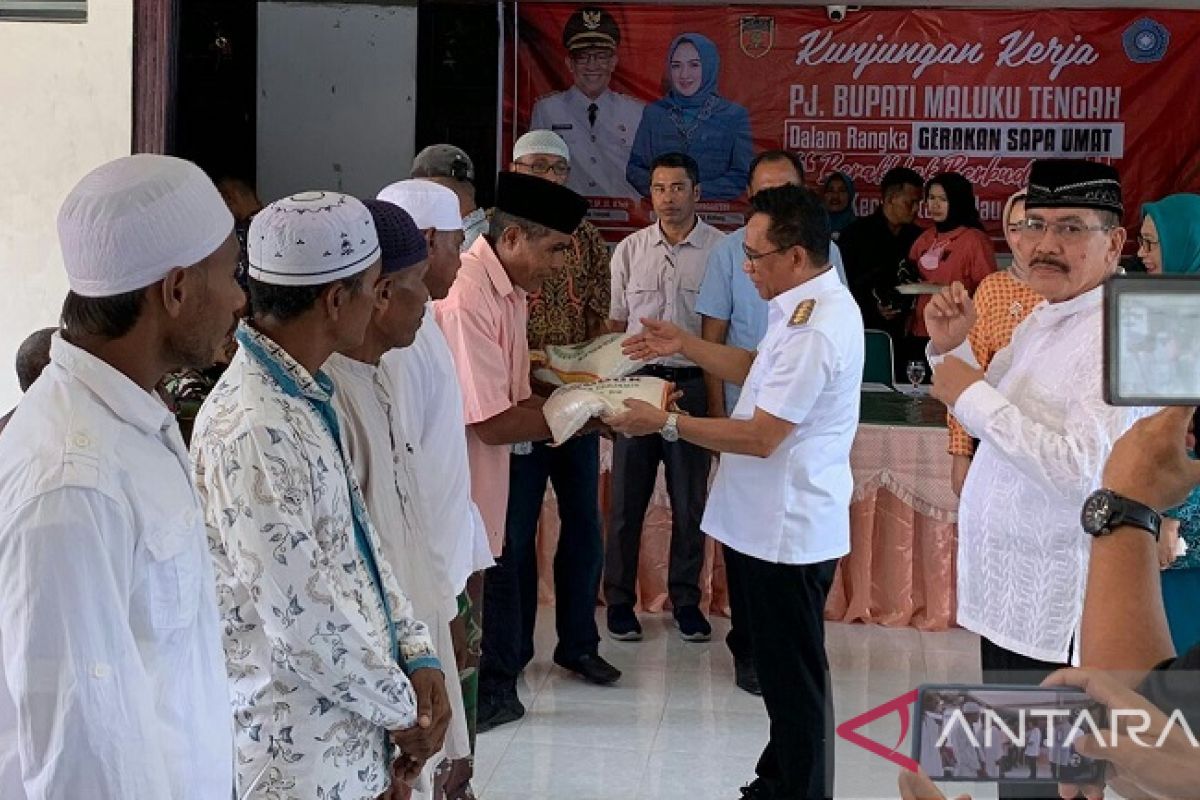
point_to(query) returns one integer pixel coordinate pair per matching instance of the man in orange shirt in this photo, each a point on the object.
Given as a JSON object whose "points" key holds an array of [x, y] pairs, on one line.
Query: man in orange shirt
{"points": [[484, 318]]}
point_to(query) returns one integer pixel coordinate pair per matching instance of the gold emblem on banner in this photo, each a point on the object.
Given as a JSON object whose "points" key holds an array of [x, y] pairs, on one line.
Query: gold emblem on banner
{"points": [[802, 313], [757, 36], [591, 20]]}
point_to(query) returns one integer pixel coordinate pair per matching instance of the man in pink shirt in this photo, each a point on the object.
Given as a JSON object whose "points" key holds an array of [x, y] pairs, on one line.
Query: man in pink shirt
{"points": [[484, 319]]}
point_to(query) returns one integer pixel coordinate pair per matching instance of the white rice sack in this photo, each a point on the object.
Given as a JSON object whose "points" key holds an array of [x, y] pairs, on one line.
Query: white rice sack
{"points": [[570, 407], [597, 360]]}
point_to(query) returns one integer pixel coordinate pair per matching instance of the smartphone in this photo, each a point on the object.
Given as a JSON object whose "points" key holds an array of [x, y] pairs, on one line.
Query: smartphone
{"points": [[1151, 327], [1006, 734]]}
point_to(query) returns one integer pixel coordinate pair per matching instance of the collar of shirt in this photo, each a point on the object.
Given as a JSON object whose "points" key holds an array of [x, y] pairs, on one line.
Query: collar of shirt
{"points": [[360, 370], [292, 378], [482, 252], [124, 398], [783, 304], [691, 239], [584, 101], [1053, 313]]}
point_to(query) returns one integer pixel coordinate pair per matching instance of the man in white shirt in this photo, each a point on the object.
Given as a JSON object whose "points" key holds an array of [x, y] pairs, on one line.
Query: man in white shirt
{"points": [[425, 385], [384, 456], [113, 680], [327, 665], [781, 500], [597, 123], [1044, 428], [656, 274]]}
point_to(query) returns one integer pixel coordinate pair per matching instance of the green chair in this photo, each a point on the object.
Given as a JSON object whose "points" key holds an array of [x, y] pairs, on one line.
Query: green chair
{"points": [[880, 356]]}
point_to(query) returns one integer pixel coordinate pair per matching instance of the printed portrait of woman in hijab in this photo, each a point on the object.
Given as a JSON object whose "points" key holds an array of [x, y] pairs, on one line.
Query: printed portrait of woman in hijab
{"points": [[694, 119]]}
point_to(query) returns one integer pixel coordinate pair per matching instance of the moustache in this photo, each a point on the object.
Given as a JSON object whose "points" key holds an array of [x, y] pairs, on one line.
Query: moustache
{"points": [[1049, 263]]}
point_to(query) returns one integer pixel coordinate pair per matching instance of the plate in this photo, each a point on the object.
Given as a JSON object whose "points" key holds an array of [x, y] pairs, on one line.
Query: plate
{"points": [[919, 288]]}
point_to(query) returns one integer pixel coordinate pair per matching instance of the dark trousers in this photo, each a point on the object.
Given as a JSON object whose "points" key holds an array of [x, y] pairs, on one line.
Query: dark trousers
{"points": [[785, 614], [635, 469], [738, 639], [1005, 667], [510, 588]]}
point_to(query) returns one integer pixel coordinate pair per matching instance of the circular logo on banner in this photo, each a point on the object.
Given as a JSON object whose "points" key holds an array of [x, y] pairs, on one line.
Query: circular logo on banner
{"points": [[1146, 41]]}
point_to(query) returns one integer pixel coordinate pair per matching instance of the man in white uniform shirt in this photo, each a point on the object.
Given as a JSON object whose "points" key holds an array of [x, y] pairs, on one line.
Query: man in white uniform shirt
{"points": [[429, 399], [656, 273], [781, 500], [1044, 428], [327, 664], [597, 123], [113, 682]]}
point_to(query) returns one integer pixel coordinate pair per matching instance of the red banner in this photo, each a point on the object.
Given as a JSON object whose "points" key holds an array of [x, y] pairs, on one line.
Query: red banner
{"points": [[977, 92]]}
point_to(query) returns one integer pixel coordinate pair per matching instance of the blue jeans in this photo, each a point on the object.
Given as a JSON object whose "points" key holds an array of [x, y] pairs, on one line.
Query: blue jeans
{"points": [[510, 587]]}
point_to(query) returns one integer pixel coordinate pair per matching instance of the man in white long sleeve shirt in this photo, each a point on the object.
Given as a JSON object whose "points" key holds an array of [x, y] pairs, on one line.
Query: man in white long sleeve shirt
{"points": [[113, 681], [1044, 428], [326, 663], [384, 455], [429, 400]]}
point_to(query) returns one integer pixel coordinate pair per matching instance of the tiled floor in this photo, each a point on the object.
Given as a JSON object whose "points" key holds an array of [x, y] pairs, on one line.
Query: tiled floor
{"points": [[676, 728]]}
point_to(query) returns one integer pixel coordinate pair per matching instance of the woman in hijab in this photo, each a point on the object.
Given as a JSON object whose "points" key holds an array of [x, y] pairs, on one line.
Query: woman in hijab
{"points": [[1002, 302], [1169, 244], [954, 249], [838, 193], [695, 120]]}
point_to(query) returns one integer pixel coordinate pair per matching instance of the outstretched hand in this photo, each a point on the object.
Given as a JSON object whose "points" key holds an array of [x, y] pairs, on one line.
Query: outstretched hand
{"points": [[656, 340]]}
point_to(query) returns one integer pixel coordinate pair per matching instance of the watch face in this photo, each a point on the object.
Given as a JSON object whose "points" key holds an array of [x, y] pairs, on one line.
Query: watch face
{"points": [[1096, 512]]}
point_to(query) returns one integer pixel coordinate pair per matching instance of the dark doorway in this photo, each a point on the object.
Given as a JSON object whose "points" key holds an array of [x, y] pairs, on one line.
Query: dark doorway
{"points": [[216, 100], [458, 48]]}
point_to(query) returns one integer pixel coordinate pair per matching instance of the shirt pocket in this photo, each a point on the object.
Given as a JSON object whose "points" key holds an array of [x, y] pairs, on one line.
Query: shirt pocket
{"points": [[176, 548]]}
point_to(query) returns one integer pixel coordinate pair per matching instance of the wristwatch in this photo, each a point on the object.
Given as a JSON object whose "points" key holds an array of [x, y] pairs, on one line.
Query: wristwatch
{"points": [[670, 431], [1104, 511]]}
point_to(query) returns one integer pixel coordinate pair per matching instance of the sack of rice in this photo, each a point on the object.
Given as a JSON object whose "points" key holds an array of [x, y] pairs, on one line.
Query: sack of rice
{"points": [[570, 407], [597, 360]]}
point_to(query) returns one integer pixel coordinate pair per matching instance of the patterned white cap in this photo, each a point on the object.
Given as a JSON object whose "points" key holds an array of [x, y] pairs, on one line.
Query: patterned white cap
{"points": [[311, 238], [430, 204], [128, 223], [541, 142]]}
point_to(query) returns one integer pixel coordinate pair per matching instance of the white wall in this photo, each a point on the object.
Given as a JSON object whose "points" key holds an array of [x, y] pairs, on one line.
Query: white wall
{"points": [[65, 108], [336, 97]]}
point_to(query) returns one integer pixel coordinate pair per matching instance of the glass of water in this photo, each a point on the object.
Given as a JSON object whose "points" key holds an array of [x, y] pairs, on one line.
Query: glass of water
{"points": [[916, 373]]}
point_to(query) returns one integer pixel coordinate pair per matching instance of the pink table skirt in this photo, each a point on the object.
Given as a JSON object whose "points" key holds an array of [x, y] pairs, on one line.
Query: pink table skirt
{"points": [[903, 532]]}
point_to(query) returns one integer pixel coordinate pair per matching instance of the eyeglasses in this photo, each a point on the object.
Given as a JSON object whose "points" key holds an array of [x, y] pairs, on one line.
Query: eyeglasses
{"points": [[1034, 230], [559, 168], [592, 59], [753, 257], [1146, 244]]}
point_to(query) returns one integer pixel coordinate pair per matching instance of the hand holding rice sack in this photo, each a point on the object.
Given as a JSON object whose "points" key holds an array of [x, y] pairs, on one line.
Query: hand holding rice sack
{"points": [[570, 407]]}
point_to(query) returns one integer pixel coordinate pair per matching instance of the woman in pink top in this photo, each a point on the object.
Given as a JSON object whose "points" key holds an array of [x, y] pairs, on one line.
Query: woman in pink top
{"points": [[954, 249]]}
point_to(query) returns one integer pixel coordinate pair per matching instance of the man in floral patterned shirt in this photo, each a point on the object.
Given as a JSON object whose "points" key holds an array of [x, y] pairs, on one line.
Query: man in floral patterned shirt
{"points": [[326, 664]]}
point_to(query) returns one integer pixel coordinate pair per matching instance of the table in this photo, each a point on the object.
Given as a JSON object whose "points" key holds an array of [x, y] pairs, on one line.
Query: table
{"points": [[903, 530]]}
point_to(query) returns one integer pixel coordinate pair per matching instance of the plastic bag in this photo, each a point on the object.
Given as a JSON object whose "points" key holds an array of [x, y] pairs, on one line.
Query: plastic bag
{"points": [[570, 407]]}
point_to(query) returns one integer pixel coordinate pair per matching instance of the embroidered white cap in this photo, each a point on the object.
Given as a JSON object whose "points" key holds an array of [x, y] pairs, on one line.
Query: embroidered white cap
{"points": [[311, 238], [430, 204], [129, 222], [541, 142]]}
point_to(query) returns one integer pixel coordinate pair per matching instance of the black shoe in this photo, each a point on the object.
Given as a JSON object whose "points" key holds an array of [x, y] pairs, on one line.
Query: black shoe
{"points": [[757, 790], [693, 627], [623, 624], [498, 709], [745, 676], [592, 668]]}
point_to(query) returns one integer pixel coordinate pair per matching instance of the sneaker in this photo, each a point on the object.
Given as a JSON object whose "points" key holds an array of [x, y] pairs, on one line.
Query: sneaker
{"points": [[623, 624], [592, 668], [693, 627], [498, 709]]}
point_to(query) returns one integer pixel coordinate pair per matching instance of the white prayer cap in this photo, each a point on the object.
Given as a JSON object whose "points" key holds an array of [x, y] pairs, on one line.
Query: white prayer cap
{"points": [[542, 142], [430, 204], [131, 221], [310, 239]]}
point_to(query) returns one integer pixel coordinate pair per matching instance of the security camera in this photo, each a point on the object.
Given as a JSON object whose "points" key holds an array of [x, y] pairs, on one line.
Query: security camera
{"points": [[838, 13]]}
